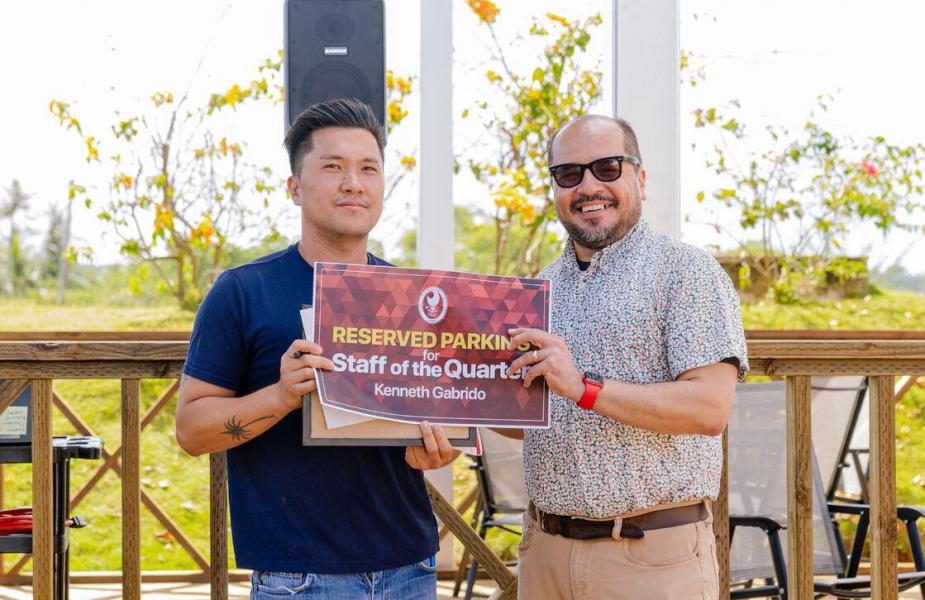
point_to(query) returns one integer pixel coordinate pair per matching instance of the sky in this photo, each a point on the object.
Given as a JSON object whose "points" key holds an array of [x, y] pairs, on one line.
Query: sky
{"points": [[775, 58]]}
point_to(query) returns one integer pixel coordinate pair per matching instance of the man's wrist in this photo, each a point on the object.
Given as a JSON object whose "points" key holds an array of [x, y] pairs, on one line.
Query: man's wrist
{"points": [[593, 384], [284, 403]]}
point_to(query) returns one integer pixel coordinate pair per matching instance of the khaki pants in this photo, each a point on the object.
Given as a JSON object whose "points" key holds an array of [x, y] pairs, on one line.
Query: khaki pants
{"points": [[676, 563]]}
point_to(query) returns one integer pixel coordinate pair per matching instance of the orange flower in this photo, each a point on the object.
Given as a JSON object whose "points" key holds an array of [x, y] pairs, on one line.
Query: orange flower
{"points": [[560, 20], [485, 9]]}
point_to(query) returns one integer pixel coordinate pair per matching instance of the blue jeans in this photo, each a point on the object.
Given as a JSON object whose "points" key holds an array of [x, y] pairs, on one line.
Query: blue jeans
{"points": [[417, 581]]}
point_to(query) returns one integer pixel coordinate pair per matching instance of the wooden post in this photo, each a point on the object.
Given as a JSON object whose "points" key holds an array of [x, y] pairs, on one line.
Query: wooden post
{"points": [[42, 493], [218, 524], [883, 554], [131, 495], [799, 488], [721, 522], [506, 580]]}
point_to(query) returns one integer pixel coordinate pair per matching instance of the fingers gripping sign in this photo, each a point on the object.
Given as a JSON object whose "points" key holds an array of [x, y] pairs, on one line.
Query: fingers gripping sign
{"points": [[436, 451], [297, 371], [552, 360]]}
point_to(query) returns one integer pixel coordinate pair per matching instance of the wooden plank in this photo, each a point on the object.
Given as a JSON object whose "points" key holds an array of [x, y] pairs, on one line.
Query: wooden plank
{"points": [[904, 385], [96, 577], [828, 334], [62, 351], [97, 336], [883, 553], [131, 495], [462, 507], [42, 492], [10, 389], [101, 369], [218, 525], [845, 366], [469, 538], [835, 349], [721, 523], [799, 488]]}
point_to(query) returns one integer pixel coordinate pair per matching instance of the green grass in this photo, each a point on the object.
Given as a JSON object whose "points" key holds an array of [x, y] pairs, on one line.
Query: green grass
{"points": [[179, 483], [885, 310]]}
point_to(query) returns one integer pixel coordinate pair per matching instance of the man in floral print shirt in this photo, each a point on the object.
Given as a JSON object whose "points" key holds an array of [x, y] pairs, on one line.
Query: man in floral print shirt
{"points": [[646, 348]]}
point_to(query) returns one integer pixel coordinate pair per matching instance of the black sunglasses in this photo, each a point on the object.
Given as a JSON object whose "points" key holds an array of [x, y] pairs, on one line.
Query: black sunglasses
{"points": [[605, 169]]}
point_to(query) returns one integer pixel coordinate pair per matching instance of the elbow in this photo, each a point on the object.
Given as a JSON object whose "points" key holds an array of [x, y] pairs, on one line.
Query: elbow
{"points": [[713, 426], [715, 418], [187, 443]]}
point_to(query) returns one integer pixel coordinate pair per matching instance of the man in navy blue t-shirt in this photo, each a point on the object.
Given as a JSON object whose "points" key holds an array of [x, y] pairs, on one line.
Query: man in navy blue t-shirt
{"points": [[312, 522]]}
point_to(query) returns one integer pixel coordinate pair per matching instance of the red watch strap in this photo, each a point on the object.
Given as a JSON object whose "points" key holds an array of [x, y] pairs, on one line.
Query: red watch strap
{"points": [[592, 389]]}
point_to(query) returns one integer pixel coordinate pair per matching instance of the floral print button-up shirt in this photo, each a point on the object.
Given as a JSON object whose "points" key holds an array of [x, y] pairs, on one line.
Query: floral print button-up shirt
{"points": [[647, 309]]}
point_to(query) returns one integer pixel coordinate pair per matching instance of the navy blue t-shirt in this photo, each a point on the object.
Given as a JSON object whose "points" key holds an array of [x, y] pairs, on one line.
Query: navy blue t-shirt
{"points": [[296, 508]]}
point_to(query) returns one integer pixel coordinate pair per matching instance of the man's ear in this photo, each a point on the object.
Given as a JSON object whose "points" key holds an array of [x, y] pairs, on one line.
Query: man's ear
{"points": [[295, 189], [642, 185]]}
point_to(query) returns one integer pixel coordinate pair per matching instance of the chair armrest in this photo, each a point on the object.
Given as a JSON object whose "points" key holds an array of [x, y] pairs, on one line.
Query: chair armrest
{"points": [[766, 524], [844, 508], [910, 513], [905, 513]]}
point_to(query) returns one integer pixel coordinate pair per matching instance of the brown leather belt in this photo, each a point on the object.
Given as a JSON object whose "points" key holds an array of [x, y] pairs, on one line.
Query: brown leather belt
{"points": [[632, 527]]}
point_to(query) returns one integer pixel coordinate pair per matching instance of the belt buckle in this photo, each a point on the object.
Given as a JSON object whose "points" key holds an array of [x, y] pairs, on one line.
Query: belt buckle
{"points": [[550, 523]]}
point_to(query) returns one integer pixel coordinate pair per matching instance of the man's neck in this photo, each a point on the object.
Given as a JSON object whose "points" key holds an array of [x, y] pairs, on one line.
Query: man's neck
{"points": [[314, 250]]}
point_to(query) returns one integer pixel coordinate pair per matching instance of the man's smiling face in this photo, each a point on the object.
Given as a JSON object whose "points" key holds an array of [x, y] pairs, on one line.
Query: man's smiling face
{"points": [[597, 213]]}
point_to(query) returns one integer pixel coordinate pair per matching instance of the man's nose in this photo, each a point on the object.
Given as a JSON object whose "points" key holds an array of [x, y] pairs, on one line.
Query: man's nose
{"points": [[351, 182], [589, 184]]}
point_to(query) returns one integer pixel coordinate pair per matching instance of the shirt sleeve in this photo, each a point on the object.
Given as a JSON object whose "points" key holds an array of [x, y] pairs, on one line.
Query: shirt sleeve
{"points": [[218, 350], [704, 324]]}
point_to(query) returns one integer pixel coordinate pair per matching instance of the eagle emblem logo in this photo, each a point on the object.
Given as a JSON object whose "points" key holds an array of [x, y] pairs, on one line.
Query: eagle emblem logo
{"points": [[432, 305]]}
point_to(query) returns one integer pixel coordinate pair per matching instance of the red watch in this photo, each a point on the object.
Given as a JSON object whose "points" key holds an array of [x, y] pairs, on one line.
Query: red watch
{"points": [[593, 385]]}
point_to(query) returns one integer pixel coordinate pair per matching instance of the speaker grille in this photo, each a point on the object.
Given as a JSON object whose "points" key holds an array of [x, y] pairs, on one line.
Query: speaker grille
{"points": [[334, 49], [334, 80], [335, 29]]}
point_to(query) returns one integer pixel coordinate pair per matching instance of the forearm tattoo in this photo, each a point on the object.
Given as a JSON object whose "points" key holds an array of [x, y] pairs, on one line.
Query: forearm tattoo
{"points": [[237, 431]]}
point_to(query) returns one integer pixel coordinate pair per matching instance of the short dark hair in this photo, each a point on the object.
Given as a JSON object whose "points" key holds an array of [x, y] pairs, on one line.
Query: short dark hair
{"points": [[338, 112], [629, 136]]}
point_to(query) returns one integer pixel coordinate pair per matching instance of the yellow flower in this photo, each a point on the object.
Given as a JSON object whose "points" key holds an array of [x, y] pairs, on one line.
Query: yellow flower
{"points": [[199, 152], [163, 219], [404, 85], [485, 9], [234, 95], [93, 151], [162, 98], [389, 79], [408, 162], [203, 233], [560, 20], [396, 114], [492, 76], [124, 180]]}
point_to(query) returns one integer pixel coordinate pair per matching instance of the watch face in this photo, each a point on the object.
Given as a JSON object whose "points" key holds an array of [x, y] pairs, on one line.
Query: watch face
{"points": [[594, 378]]}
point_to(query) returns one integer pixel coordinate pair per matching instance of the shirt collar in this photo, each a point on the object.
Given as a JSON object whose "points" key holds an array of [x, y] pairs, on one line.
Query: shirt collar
{"points": [[608, 254]]}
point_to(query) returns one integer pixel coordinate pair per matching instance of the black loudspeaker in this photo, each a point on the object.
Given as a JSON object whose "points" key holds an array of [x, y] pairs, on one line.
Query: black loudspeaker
{"points": [[334, 49]]}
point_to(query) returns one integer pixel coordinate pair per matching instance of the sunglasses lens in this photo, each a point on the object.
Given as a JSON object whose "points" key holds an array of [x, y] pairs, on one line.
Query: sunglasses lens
{"points": [[568, 175], [607, 169]]}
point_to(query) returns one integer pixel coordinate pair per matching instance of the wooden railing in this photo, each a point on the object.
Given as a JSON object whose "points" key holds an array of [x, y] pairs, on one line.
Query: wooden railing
{"points": [[796, 356]]}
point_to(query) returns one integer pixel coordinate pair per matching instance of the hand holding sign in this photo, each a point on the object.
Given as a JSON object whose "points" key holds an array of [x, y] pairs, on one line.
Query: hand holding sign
{"points": [[297, 372]]}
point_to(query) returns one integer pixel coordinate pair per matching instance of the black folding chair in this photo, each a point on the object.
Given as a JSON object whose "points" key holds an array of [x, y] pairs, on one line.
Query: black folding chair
{"points": [[758, 509], [500, 472]]}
